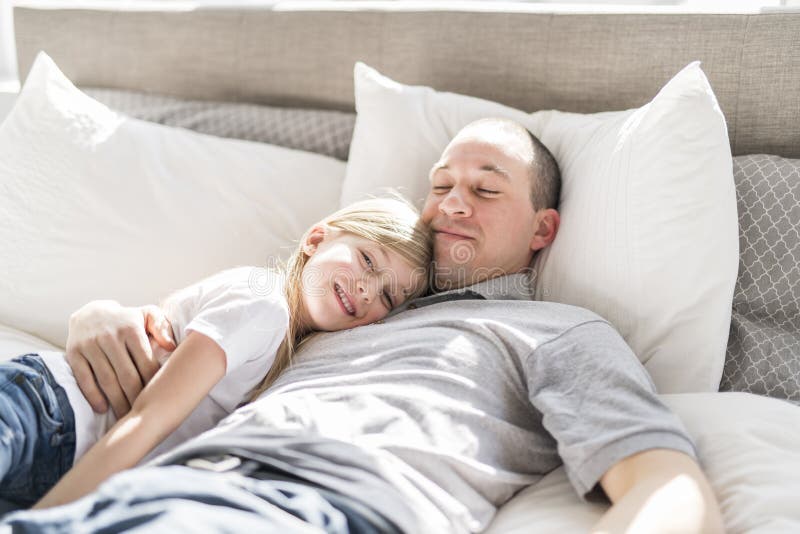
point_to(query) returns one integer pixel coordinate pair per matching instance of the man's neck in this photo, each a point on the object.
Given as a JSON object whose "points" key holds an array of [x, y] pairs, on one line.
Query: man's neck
{"points": [[516, 286]]}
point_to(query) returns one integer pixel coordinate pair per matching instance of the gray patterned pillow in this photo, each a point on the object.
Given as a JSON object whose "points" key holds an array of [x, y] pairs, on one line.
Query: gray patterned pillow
{"points": [[322, 131], [764, 345]]}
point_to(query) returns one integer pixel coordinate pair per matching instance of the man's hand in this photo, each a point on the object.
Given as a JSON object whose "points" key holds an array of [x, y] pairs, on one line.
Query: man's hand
{"points": [[111, 355], [659, 491]]}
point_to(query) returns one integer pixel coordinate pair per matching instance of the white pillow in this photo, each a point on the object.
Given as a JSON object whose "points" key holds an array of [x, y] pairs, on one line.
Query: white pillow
{"points": [[649, 235], [6, 102], [748, 448], [96, 205], [14, 342]]}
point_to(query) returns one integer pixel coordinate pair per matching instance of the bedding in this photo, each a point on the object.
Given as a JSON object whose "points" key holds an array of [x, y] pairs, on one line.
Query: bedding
{"points": [[14, 342], [325, 132], [648, 235], [748, 448], [763, 354], [6, 102], [100, 206]]}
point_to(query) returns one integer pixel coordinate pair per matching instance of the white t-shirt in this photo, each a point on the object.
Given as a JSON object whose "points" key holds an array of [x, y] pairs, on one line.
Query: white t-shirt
{"points": [[243, 310]]}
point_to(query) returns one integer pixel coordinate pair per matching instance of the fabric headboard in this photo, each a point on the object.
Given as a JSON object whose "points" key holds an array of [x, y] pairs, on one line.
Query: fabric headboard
{"points": [[531, 60]]}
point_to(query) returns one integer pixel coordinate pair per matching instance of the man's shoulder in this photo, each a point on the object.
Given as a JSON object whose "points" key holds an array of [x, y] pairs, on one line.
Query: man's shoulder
{"points": [[494, 308], [556, 310]]}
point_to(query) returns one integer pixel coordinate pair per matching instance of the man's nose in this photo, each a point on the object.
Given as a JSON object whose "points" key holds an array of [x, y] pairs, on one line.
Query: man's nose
{"points": [[455, 205]]}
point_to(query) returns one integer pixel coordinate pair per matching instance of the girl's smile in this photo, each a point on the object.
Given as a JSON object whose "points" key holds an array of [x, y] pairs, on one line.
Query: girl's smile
{"points": [[350, 281]]}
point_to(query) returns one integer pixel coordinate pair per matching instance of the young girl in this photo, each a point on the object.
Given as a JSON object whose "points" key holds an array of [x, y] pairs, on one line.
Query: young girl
{"points": [[236, 332]]}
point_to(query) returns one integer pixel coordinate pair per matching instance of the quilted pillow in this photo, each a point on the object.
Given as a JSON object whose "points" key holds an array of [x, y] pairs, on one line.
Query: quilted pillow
{"points": [[763, 354], [322, 131]]}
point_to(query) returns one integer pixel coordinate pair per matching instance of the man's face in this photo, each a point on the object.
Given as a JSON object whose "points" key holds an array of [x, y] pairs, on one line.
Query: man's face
{"points": [[480, 209]]}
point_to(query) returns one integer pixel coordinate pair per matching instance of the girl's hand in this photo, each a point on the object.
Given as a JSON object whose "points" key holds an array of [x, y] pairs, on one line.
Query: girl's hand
{"points": [[159, 333]]}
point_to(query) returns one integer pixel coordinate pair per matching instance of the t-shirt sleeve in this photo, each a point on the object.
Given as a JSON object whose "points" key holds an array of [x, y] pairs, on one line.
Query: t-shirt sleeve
{"points": [[241, 310], [599, 403]]}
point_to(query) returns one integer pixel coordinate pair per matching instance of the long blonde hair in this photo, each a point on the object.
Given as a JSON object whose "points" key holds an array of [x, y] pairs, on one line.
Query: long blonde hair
{"points": [[390, 222]]}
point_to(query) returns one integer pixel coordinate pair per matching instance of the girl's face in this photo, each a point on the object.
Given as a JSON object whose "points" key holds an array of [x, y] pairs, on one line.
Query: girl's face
{"points": [[351, 281]]}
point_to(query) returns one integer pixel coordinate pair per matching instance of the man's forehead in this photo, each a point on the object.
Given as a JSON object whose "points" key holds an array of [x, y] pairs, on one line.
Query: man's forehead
{"points": [[491, 151], [487, 166], [488, 140]]}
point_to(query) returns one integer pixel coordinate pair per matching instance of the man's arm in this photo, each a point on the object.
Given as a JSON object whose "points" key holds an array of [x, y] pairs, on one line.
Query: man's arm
{"points": [[657, 491], [110, 353]]}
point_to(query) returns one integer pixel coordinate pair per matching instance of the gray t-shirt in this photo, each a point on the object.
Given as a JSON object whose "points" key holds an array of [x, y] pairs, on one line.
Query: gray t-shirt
{"points": [[438, 415]]}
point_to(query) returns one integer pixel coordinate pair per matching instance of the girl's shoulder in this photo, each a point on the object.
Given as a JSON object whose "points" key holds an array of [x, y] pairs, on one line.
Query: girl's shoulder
{"points": [[241, 290], [239, 302], [255, 282]]}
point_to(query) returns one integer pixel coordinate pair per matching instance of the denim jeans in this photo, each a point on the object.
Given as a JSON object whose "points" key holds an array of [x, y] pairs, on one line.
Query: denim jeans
{"points": [[182, 499], [37, 430]]}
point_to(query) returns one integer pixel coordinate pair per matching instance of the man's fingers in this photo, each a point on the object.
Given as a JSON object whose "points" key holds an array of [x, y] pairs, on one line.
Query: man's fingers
{"points": [[128, 378], [86, 382], [107, 379], [113, 344], [139, 348]]}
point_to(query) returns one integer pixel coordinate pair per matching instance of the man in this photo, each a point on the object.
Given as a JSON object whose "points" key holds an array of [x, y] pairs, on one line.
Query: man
{"points": [[431, 420]]}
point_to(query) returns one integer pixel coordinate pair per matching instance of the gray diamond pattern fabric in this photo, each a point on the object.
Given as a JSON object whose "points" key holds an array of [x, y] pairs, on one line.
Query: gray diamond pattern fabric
{"points": [[763, 354], [321, 131]]}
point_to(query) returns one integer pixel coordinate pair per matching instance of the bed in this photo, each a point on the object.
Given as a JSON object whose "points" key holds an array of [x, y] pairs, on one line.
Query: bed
{"points": [[278, 78]]}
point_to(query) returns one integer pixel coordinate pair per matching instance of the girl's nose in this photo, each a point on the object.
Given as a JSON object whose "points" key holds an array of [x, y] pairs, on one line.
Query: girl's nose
{"points": [[364, 290]]}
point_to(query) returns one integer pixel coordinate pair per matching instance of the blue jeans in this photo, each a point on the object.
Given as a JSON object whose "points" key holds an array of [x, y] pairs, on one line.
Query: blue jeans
{"points": [[176, 498], [37, 430]]}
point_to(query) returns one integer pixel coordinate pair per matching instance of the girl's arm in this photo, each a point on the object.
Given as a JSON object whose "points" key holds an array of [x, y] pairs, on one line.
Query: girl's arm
{"points": [[188, 375]]}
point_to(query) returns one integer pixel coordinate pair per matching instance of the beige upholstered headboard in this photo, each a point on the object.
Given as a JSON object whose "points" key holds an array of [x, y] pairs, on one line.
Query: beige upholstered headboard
{"points": [[530, 60]]}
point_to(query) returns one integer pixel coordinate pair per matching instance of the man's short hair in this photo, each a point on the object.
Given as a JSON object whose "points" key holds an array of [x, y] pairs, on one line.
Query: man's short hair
{"points": [[545, 176]]}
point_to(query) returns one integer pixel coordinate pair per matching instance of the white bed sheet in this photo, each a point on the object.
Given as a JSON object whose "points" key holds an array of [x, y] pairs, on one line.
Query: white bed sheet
{"points": [[749, 447]]}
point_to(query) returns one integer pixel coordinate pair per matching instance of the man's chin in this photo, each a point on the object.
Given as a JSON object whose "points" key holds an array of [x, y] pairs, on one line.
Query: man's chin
{"points": [[454, 276], [449, 276]]}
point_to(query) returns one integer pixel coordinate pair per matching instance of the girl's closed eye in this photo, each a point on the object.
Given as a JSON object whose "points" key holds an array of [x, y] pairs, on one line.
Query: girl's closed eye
{"points": [[387, 299], [368, 261]]}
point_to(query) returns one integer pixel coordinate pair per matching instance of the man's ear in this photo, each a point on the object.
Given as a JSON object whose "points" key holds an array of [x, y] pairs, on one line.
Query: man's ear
{"points": [[313, 238], [546, 222]]}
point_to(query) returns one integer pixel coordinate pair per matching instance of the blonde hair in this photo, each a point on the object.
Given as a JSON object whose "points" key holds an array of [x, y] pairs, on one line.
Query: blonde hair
{"points": [[390, 222]]}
